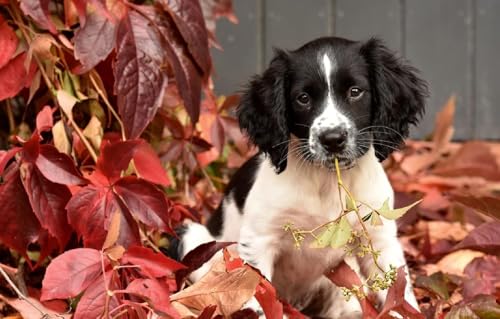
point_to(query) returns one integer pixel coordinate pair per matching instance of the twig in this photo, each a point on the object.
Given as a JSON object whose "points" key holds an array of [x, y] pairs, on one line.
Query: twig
{"points": [[108, 105], [21, 296], [10, 115], [358, 215]]}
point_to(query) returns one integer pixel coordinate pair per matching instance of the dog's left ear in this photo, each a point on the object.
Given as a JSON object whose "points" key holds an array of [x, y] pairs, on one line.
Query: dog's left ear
{"points": [[262, 112], [398, 96]]}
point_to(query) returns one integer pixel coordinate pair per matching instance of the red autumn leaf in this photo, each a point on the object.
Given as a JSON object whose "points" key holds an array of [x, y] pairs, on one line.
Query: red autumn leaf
{"points": [[485, 204], [208, 312], [115, 157], [197, 257], [156, 293], [82, 266], [39, 11], [95, 40], [214, 9], [146, 202], [483, 238], [268, 300], [396, 302], [148, 165], [482, 276], [8, 43], [6, 156], [153, 265], [473, 159], [20, 227], [140, 80], [245, 314], [93, 302], [58, 167], [188, 75], [344, 276], [88, 211], [14, 77], [48, 201], [188, 18], [44, 121]]}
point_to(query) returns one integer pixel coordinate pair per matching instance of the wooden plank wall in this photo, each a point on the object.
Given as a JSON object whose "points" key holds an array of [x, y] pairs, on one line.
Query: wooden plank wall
{"points": [[454, 43]]}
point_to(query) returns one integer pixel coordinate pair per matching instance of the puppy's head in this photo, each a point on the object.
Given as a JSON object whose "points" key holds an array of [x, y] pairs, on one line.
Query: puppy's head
{"points": [[332, 98]]}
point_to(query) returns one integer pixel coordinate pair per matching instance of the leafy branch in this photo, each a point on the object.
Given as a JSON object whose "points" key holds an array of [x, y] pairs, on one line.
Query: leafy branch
{"points": [[338, 233]]}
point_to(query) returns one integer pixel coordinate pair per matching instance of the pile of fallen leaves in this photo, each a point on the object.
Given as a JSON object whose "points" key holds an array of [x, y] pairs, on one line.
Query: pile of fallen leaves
{"points": [[452, 239]]}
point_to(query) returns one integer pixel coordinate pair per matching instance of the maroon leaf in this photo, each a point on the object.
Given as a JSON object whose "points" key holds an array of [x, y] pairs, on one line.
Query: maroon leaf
{"points": [[93, 302], [482, 276], [13, 77], [145, 201], [485, 204], [483, 238], [344, 276], [8, 43], [148, 165], [395, 300], [48, 201], [39, 11], [115, 158], [90, 211], [214, 9], [156, 293], [31, 149], [140, 80], [153, 265], [208, 312], [481, 307], [95, 40], [6, 156], [197, 257], [247, 314], [58, 167], [188, 18], [44, 121], [187, 74], [20, 227], [82, 265], [217, 134]]}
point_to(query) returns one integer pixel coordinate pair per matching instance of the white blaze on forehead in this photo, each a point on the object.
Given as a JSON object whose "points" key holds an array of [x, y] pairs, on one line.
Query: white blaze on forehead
{"points": [[327, 68], [331, 115]]}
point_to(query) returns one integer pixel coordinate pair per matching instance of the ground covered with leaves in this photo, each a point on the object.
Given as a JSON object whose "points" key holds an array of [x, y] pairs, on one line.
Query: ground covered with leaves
{"points": [[106, 146]]}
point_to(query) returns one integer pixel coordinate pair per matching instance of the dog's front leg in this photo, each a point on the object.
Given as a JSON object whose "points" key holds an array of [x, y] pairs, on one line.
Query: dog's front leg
{"points": [[257, 250], [384, 239]]}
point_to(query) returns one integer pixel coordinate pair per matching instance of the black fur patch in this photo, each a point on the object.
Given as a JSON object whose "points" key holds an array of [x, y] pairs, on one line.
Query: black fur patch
{"points": [[175, 247], [238, 188]]}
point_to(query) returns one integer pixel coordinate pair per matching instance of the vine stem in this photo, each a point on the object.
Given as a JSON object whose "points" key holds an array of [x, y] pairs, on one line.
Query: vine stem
{"points": [[20, 295], [18, 20], [108, 105], [358, 215]]}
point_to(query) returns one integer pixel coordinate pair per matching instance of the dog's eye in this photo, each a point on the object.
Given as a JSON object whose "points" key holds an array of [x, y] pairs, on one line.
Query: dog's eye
{"points": [[304, 99], [355, 93]]}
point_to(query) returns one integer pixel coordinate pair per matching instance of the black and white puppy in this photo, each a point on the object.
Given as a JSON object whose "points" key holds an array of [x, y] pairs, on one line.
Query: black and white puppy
{"points": [[330, 98]]}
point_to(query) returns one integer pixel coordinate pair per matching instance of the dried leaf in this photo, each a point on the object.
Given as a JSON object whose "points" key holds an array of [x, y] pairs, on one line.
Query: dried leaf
{"points": [[94, 132], [66, 101], [228, 290]]}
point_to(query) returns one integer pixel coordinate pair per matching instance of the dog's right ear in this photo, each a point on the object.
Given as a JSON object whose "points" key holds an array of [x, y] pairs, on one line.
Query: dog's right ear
{"points": [[263, 111]]}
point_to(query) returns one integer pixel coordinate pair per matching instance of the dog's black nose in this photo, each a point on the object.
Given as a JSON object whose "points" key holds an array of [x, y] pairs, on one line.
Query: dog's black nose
{"points": [[334, 140]]}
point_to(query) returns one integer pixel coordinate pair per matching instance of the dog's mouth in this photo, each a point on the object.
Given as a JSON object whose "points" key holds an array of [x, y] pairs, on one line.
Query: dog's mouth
{"points": [[307, 154]]}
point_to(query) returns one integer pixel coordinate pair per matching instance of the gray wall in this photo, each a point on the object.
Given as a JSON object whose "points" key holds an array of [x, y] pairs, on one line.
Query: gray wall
{"points": [[455, 44]]}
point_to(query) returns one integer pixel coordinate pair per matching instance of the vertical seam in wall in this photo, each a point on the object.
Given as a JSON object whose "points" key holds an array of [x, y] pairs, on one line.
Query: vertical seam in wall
{"points": [[402, 27], [330, 19], [261, 35], [471, 78]]}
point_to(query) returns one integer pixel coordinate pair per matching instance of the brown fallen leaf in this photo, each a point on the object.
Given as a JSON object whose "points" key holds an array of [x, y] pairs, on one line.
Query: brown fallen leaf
{"points": [[443, 130], [444, 230], [229, 290], [453, 263]]}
